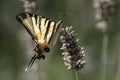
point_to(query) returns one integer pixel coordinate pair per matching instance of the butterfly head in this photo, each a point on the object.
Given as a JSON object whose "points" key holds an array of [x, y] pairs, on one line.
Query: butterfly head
{"points": [[43, 49], [46, 49]]}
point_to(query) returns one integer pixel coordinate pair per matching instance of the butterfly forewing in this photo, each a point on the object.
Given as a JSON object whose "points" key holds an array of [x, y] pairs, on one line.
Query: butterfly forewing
{"points": [[27, 22], [40, 28]]}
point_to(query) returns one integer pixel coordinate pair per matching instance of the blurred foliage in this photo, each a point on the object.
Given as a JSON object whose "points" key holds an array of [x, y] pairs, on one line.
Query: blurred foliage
{"points": [[79, 14]]}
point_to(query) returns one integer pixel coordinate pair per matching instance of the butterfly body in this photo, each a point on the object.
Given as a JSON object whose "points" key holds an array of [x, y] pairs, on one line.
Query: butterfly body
{"points": [[42, 47], [43, 31]]}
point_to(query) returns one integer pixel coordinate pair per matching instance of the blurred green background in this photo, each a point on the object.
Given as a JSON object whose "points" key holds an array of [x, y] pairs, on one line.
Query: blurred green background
{"points": [[16, 46]]}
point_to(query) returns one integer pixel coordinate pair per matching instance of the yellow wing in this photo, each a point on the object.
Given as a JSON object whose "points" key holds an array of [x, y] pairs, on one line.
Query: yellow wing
{"points": [[41, 29]]}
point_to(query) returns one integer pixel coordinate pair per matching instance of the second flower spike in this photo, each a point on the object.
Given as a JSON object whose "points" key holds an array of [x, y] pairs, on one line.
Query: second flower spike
{"points": [[73, 53]]}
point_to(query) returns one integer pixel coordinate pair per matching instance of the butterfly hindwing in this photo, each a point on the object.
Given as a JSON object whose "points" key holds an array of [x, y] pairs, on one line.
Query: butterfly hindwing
{"points": [[55, 33]]}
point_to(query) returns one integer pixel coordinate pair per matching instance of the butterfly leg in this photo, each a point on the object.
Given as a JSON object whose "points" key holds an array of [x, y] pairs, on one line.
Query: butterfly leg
{"points": [[39, 54]]}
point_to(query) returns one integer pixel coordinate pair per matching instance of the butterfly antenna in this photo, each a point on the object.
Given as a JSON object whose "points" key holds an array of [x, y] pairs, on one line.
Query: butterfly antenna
{"points": [[30, 63], [61, 15]]}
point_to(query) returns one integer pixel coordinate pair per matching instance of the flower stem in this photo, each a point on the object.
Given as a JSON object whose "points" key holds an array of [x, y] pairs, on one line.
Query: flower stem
{"points": [[104, 57], [117, 76], [76, 76]]}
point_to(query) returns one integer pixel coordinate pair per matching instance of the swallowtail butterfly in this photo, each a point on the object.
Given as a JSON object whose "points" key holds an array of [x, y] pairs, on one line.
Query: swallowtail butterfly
{"points": [[43, 31]]}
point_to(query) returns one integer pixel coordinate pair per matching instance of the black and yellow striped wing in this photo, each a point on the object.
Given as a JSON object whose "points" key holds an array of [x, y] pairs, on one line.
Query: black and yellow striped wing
{"points": [[41, 29]]}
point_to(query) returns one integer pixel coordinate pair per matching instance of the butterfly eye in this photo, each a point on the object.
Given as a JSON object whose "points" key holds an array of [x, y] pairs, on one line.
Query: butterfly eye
{"points": [[47, 49]]}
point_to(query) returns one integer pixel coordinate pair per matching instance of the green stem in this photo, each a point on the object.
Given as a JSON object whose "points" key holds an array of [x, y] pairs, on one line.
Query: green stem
{"points": [[117, 76], [76, 75], [104, 57]]}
